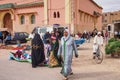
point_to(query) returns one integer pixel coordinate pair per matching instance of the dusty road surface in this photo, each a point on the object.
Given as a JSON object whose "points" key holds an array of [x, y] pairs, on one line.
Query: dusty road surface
{"points": [[84, 68]]}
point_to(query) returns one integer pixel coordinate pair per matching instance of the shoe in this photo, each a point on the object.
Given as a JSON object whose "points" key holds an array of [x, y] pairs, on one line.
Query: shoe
{"points": [[65, 78], [34, 66], [93, 57], [94, 53], [71, 73], [41, 65]]}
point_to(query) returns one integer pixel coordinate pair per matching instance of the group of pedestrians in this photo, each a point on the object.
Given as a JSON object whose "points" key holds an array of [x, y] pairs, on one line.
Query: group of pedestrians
{"points": [[59, 51], [91, 34], [85, 35], [54, 50]]}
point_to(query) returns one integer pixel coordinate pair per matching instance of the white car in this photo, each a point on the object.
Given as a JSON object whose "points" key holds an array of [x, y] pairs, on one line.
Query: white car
{"points": [[42, 30]]}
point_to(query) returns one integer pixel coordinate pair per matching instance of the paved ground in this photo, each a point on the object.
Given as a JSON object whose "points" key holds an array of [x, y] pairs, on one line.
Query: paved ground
{"points": [[84, 68]]}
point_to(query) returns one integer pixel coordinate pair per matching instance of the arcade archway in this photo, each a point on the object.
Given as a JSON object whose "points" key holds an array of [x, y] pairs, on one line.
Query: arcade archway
{"points": [[7, 21]]}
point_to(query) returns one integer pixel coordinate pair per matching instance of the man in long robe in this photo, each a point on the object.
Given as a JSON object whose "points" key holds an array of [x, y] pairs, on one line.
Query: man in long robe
{"points": [[66, 52], [98, 41]]}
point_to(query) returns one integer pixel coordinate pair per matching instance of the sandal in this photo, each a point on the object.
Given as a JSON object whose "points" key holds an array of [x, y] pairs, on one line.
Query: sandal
{"points": [[71, 73], [65, 78]]}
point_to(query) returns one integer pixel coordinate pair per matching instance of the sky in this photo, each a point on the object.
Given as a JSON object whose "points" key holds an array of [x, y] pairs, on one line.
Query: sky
{"points": [[109, 5]]}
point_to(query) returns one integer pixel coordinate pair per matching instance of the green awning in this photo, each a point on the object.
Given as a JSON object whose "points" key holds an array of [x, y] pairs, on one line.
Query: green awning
{"points": [[30, 5], [9, 5]]}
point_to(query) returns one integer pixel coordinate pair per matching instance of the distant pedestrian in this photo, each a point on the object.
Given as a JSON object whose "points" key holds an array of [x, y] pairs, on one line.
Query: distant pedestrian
{"points": [[66, 52], [116, 34], [106, 36], [46, 37], [98, 42], [47, 51], [1, 37], [8, 38], [85, 35], [89, 37]]}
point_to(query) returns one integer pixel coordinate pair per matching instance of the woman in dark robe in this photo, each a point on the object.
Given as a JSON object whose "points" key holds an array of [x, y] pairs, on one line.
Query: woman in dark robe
{"points": [[53, 59], [38, 56]]}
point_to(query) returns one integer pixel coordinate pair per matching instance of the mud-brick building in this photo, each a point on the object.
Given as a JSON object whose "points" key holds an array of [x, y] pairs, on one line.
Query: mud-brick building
{"points": [[24, 15]]}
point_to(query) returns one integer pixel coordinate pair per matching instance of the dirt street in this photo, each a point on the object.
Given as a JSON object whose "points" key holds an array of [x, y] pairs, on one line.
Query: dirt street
{"points": [[84, 68]]}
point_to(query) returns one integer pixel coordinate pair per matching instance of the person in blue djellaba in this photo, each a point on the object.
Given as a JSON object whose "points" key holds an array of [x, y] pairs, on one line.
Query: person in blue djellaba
{"points": [[8, 38], [1, 37], [67, 45]]}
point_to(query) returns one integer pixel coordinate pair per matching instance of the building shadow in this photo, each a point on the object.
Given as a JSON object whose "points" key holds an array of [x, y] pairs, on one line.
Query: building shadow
{"points": [[80, 48]]}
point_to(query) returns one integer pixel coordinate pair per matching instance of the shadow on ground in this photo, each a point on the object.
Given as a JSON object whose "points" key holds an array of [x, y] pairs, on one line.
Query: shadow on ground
{"points": [[80, 48], [78, 76]]}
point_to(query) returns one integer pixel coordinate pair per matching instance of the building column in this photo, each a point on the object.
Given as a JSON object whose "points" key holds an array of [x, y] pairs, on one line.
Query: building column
{"points": [[1, 19], [95, 21], [68, 14], [1, 24], [45, 21]]}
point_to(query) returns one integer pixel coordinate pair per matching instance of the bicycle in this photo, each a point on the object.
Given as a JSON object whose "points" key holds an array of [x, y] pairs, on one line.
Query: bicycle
{"points": [[98, 57]]}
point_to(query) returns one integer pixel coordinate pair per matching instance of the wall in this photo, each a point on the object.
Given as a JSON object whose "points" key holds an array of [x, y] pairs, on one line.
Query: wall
{"points": [[56, 6], [39, 15], [18, 1], [87, 8], [27, 12]]}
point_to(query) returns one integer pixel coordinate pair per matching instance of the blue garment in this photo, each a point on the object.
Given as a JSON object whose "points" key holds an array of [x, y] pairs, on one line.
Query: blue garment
{"points": [[79, 41], [9, 37], [46, 37], [0, 33], [119, 33], [66, 51]]}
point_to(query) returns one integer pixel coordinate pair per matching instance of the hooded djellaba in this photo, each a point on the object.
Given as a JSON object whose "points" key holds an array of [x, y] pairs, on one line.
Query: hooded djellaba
{"points": [[67, 45], [38, 56]]}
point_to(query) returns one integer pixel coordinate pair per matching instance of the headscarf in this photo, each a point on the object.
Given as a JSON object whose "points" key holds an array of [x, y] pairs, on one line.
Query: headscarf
{"points": [[53, 37], [85, 31], [66, 30], [37, 40], [99, 33]]}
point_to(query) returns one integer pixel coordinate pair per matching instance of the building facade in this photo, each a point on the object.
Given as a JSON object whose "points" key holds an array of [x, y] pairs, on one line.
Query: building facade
{"points": [[110, 18], [24, 15], [87, 17]]}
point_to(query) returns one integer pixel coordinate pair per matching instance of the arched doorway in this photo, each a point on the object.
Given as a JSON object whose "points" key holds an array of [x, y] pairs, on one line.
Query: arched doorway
{"points": [[7, 21]]}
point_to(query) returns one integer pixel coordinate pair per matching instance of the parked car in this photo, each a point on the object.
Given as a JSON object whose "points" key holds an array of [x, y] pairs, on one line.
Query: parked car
{"points": [[43, 29], [18, 36]]}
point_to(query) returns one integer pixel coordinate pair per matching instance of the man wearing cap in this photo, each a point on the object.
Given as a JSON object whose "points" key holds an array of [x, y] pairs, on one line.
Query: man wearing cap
{"points": [[98, 41]]}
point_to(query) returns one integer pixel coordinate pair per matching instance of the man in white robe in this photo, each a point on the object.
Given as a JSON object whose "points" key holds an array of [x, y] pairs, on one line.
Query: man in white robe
{"points": [[98, 41]]}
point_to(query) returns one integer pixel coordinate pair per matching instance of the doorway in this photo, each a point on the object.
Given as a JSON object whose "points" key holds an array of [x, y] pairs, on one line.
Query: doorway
{"points": [[7, 21]]}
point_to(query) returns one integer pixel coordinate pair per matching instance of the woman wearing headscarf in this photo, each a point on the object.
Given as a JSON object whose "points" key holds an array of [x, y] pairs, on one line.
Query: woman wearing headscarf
{"points": [[66, 52], [38, 56], [53, 59]]}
